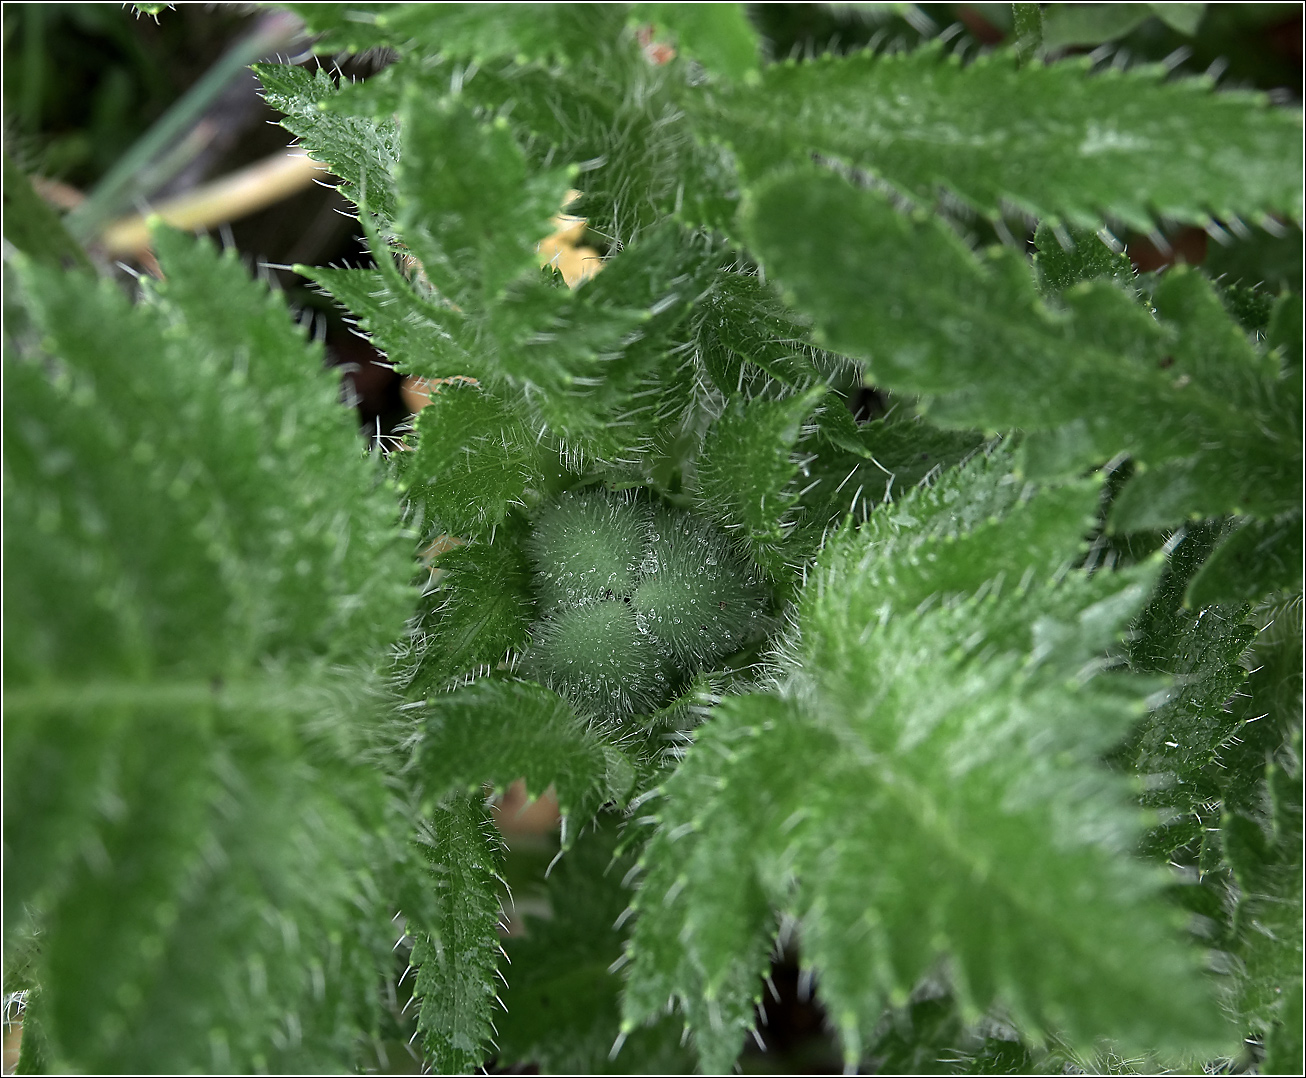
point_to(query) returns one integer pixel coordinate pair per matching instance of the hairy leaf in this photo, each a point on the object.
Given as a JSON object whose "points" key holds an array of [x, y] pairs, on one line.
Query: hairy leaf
{"points": [[498, 731], [1266, 856], [1180, 745], [747, 472], [476, 32], [716, 34], [33, 226], [852, 467], [473, 212], [1189, 396], [418, 338], [586, 367], [1092, 24], [473, 461], [457, 951], [563, 998], [935, 822], [1077, 255], [601, 368], [202, 568], [1049, 141], [476, 616], [749, 344], [1269, 708], [361, 151], [704, 928], [623, 121], [1264, 259], [213, 875], [1262, 557]]}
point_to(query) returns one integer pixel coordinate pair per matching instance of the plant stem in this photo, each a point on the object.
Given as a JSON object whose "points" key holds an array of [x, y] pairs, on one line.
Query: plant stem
{"points": [[33, 67], [226, 199], [1029, 30]]}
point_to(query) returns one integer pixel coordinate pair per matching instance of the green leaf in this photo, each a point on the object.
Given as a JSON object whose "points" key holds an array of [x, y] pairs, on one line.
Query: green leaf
{"points": [[1028, 24], [717, 34], [1188, 395], [563, 999], [1050, 141], [499, 731], [747, 472], [854, 466], [1272, 260], [977, 526], [250, 577], [1078, 255], [1267, 709], [187, 676], [1261, 557], [750, 345], [1283, 1043], [1284, 333], [902, 793], [704, 928], [476, 32], [1185, 18], [1183, 746], [149, 848], [475, 617], [606, 368], [225, 845], [591, 370], [34, 1050], [1265, 853], [1251, 307], [1213, 352], [417, 337], [623, 121], [473, 461], [473, 212], [930, 1030], [457, 951], [1092, 24], [361, 151], [617, 117]]}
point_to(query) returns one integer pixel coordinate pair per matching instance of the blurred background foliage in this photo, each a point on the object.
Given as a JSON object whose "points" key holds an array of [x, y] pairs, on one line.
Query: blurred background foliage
{"points": [[84, 83]]}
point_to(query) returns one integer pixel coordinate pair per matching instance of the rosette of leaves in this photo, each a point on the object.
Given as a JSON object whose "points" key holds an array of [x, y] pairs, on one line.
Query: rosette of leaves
{"points": [[918, 792]]}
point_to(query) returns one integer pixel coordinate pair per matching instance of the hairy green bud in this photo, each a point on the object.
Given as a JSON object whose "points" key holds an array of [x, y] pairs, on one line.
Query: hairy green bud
{"points": [[694, 597], [636, 601], [587, 547]]}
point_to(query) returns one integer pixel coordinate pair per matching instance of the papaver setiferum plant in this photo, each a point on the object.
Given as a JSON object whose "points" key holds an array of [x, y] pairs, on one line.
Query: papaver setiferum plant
{"points": [[988, 705]]}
